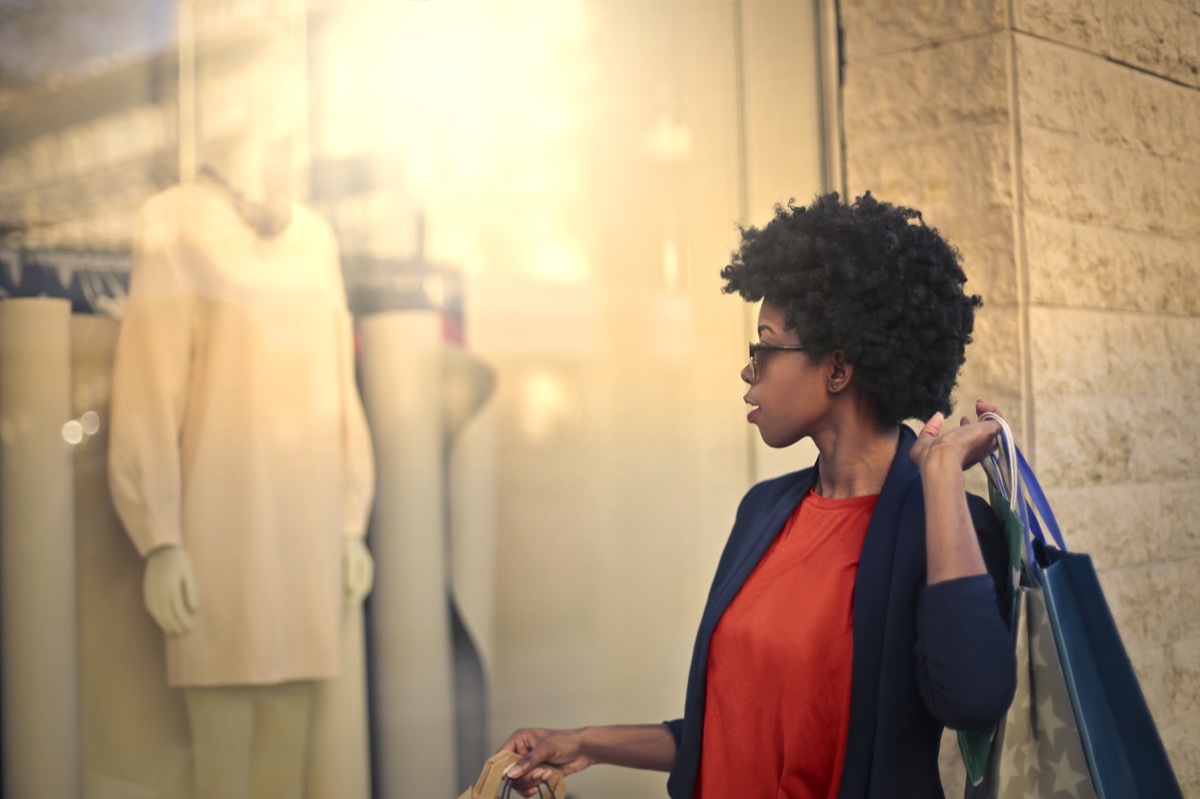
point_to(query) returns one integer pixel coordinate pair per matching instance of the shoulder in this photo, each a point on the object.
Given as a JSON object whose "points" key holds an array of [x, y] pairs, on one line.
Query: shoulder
{"points": [[179, 211], [169, 204], [310, 217], [312, 231]]}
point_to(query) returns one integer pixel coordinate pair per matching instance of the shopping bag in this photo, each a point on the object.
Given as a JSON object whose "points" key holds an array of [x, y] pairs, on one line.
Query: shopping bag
{"points": [[493, 783], [1079, 725]]}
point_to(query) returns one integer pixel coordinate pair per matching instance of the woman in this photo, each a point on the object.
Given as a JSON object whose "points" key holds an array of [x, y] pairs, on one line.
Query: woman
{"points": [[856, 609]]}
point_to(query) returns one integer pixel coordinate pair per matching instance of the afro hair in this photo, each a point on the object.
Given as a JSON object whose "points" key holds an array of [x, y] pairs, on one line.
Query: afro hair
{"points": [[869, 279]]}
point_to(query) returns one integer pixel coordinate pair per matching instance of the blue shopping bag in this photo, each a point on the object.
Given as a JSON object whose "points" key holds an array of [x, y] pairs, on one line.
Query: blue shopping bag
{"points": [[1069, 652]]}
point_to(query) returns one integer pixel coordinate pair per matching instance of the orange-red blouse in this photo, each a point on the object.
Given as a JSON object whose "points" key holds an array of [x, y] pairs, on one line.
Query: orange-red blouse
{"points": [[777, 699]]}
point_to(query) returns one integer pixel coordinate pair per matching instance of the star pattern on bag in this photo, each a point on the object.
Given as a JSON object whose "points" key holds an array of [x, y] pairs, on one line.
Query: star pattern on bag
{"points": [[1042, 755], [1048, 719], [1066, 778]]}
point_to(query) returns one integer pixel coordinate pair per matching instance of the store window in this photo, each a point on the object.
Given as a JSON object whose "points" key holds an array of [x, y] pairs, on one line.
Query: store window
{"points": [[484, 355]]}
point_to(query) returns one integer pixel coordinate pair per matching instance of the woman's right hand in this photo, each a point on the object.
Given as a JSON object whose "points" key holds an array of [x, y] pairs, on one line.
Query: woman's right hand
{"points": [[540, 748]]}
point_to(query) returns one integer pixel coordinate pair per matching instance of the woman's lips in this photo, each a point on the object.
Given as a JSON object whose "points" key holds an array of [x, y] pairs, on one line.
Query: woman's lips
{"points": [[753, 414]]}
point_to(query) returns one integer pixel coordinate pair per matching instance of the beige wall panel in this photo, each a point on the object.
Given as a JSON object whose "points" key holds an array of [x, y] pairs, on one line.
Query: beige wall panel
{"points": [[1112, 397], [1079, 23], [1182, 212], [1156, 35], [1068, 91], [1088, 511], [1152, 603], [993, 363], [1181, 506], [1089, 265], [1100, 355], [1180, 741], [958, 84], [1183, 699], [1084, 440], [985, 242], [942, 174], [875, 27], [1066, 175]]}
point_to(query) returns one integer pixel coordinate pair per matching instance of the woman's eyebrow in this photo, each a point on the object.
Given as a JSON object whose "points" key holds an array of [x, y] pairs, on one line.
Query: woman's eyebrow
{"points": [[766, 329]]}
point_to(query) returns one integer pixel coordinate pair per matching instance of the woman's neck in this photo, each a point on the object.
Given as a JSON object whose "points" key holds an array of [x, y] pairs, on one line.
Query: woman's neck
{"points": [[855, 458]]}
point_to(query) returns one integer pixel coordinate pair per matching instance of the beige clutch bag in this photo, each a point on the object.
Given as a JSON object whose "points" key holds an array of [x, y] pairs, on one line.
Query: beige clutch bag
{"points": [[492, 783]]}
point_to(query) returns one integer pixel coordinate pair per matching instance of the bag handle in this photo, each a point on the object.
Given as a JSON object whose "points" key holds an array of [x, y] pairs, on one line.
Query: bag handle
{"points": [[1009, 481], [1039, 503], [1017, 483], [491, 778]]}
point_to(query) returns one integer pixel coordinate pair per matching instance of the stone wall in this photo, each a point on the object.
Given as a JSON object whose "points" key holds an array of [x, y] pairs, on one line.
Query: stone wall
{"points": [[1058, 145]]}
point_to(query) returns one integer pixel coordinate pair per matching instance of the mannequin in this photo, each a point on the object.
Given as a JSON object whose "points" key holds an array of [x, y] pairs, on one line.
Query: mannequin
{"points": [[240, 462]]}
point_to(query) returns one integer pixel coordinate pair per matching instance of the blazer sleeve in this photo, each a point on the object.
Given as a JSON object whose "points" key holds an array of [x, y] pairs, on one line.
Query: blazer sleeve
{"points": [[676, 728], [966, 664]]}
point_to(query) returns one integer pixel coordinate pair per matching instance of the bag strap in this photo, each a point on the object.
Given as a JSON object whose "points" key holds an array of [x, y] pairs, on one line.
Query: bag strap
{"points": [[1016, 482], [1003, 471], [1039, 504], [488, 786]]}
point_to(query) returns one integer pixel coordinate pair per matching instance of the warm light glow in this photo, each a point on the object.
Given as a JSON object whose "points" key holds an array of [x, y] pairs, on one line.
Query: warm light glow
{"points": [[90, 422], [667, 140], [469, 103], [545, 402], [556, 258], [72, 432]]}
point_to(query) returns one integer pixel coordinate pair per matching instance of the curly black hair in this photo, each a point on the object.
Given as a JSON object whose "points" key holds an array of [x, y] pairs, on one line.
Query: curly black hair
{"points": [[869, 279]]}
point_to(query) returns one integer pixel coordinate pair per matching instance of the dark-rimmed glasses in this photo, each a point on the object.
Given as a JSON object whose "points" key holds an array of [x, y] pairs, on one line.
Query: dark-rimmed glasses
{"points": [[758, 349]]}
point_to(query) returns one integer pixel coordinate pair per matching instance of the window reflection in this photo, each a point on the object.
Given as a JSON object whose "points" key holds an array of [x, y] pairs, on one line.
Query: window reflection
{"points": [[540, 194]]}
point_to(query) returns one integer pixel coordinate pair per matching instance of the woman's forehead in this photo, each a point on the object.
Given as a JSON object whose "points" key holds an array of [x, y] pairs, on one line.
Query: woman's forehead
{"points": [[771, 315]]}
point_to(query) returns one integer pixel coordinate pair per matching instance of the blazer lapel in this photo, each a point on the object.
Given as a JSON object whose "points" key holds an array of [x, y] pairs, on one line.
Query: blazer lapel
{"points": [[872, 586]]}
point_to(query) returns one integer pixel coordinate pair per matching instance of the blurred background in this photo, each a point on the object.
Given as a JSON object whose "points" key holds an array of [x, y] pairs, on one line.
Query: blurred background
{"points": [[560, 182]]}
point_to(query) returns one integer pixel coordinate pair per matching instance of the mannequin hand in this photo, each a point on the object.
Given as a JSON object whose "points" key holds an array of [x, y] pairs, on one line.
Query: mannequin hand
{"points": [[169, 590], [358, 571], [965, 445]]}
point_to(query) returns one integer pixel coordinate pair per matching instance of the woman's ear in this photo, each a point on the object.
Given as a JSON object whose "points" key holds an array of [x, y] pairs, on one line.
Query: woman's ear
{"points": [[840, 372]]}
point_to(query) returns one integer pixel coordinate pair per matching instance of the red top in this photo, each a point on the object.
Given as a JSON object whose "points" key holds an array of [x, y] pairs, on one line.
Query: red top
{"points": [[777, 700]]}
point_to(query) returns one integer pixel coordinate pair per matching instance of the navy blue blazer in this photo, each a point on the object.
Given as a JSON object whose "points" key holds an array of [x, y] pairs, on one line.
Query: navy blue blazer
{"points": [[925, 656]]}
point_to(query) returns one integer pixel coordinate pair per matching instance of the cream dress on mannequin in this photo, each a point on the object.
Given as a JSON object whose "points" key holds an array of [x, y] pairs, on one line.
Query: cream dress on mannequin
{"points": [[238, 434]]}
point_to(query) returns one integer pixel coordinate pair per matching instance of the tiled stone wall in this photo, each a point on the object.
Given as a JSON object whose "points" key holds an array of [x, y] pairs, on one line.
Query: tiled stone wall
{"points": [[1058, 145], [1110, 133]]}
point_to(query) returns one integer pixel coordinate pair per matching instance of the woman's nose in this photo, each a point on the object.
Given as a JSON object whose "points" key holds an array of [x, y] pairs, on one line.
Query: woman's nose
{"points": [[747, 375]]}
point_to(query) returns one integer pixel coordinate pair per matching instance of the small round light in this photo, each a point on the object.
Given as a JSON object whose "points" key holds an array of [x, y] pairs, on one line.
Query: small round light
{"points": [[72, 432], [91, 422]]}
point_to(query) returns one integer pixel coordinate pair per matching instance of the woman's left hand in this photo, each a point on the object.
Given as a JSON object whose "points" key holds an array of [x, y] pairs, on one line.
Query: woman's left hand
{"points": [[966, 445]]}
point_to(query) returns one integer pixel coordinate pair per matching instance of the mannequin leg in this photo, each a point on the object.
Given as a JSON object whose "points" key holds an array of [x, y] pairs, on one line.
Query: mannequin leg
{"points": [[281, 736], [222, 722], [250, 742]]}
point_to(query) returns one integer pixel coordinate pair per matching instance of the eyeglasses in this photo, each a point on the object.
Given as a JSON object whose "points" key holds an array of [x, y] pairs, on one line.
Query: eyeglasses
{"points": [[758, 349]]}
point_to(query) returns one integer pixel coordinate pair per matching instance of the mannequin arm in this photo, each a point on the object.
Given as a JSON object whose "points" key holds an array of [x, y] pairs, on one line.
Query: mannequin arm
{"points": [[358, 571], [169, 589]]}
